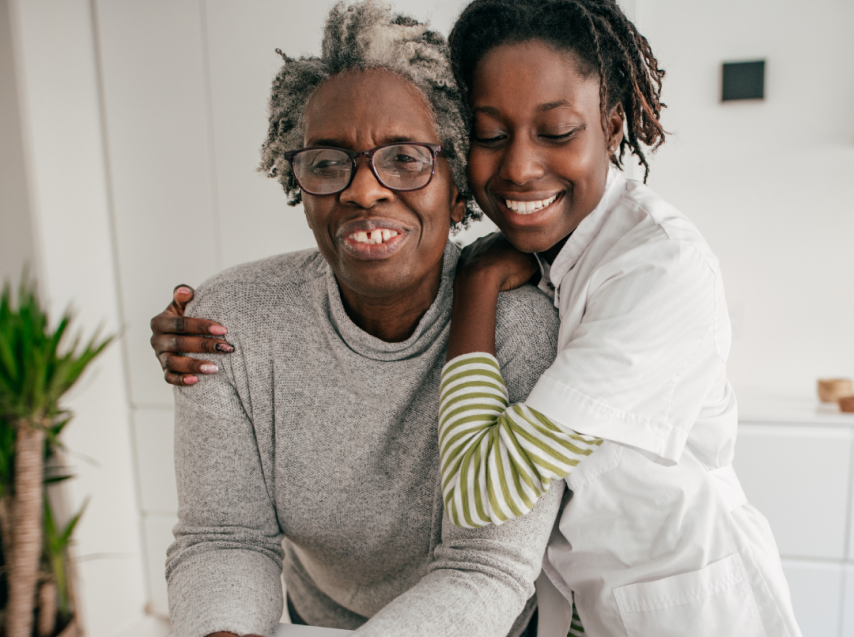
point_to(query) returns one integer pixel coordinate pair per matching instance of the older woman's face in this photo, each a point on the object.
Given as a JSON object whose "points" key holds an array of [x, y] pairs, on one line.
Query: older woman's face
{"points": [[360, 110]]}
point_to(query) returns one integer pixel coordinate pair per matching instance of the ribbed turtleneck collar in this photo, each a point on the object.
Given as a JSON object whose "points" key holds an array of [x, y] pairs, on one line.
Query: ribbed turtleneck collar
{"points": [[429, 328]]}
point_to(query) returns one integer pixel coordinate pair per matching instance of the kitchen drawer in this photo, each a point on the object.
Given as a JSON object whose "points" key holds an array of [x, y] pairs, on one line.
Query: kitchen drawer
{"points": [[799, 478], [816, 596]]}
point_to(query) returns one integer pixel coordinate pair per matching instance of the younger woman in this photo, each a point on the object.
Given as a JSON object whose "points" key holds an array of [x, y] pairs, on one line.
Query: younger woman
{"points": [[636, 411]]}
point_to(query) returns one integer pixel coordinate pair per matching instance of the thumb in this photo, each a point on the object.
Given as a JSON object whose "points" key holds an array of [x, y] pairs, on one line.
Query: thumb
{"points": [[181, 296]]}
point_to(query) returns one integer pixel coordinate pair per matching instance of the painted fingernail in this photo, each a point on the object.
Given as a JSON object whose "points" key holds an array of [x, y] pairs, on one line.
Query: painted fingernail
{"points": [[209, 369], [190, 380], [218, 330], [224, 347], [183, 290]]}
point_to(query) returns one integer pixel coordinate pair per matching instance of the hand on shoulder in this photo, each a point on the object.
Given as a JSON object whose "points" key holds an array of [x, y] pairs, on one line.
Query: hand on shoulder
{"points": [[174, 333], [493, 261]]}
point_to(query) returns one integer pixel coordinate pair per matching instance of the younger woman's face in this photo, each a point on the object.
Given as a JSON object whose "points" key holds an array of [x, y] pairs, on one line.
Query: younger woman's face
{"points": [[539, 155]]}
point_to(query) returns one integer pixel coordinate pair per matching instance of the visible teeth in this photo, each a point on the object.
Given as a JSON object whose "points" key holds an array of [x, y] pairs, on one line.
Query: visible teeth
{"points": [[528, 207], [375, 237]]}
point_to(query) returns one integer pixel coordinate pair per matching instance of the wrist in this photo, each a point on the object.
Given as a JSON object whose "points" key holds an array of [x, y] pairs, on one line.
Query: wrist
{"points": [[473, 317], [481, 279]]}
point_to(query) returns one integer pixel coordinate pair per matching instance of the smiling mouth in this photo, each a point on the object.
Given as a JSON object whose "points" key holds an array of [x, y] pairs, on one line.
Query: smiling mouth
{"points": [[530, 207], [374, 237]]}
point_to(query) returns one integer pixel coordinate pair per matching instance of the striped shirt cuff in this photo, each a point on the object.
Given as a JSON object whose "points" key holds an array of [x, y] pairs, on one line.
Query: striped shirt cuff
{"points": [[497, 459]]}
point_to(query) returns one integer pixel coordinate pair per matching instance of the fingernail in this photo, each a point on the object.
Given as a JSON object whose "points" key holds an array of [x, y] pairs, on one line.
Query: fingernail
{"points": [[209, 369], [183, 290], [190, 380], [218, 330], [224, 347]]}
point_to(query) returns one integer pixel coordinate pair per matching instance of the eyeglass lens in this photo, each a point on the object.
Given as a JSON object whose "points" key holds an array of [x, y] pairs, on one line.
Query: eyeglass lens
{"points": [[322, 171]]}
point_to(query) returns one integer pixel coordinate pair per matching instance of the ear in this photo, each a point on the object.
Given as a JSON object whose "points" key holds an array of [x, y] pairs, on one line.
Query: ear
{"points": [[614, 129], [458, 205]]}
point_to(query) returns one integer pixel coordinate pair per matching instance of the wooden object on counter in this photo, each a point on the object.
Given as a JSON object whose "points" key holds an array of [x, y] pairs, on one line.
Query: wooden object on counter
{"points": [[831, 390], [846, 404]]}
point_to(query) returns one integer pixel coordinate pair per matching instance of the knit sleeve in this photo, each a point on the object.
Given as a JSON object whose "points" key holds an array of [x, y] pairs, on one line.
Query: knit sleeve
{"points": [[497, 460], [224, 568]]}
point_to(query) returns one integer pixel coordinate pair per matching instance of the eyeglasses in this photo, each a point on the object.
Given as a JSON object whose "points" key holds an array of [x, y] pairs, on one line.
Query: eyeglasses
{"points": [[324, 170]]}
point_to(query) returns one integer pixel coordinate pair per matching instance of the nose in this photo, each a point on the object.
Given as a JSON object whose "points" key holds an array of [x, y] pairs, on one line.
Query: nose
{"points": [[521, 162], [365, 191]]}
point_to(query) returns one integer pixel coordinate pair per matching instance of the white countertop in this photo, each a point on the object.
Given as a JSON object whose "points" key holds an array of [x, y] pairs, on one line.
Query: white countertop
{"points": [[769, 406]]}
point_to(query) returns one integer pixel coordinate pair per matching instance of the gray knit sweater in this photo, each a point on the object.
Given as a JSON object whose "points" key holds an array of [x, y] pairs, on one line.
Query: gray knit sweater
{"points": [[318, 434]]}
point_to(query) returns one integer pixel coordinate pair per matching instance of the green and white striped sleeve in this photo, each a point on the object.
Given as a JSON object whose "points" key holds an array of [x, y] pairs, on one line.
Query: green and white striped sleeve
{"points": [[497, 459]]}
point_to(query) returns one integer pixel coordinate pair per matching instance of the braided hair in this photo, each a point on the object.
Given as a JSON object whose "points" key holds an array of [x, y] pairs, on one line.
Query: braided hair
{"points": [[369, 35], [603, 41]]}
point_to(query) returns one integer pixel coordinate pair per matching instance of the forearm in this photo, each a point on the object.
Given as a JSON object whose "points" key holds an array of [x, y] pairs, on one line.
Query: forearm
{"points": [[448, 605], [496, 461], [473, 314], [229, 590], [478, 582], [224, 568]]}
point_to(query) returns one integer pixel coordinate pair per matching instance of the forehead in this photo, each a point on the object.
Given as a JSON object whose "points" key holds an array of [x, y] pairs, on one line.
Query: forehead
{"points": [[366, 108], [532, 74]]}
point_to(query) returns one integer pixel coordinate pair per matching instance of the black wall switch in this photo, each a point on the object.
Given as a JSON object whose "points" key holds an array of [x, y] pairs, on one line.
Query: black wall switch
{"points": [[743, 81]]}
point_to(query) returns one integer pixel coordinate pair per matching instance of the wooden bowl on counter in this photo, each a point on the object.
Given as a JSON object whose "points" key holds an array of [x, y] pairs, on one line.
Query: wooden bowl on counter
{"points": [[847, 404], [830, 390]]}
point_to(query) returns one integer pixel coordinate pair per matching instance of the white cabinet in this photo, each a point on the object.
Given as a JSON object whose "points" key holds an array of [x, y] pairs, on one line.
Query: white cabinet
{"points": [[817, 590], [794, 460], [797, 477], [848, 602]]}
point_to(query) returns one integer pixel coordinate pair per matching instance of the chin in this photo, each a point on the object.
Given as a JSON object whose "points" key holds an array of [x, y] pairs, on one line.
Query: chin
{"points": [[376, 282], [530, 247], [528, 242]]}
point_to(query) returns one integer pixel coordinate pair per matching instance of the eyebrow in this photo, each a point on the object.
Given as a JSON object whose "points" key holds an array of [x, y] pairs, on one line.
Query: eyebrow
{"points": [[487, 110], [548, 106], [337, 143], [542, 108]]}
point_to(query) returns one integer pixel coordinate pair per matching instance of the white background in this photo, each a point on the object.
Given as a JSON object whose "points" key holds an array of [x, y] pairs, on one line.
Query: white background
{"points": [[129, 137]]}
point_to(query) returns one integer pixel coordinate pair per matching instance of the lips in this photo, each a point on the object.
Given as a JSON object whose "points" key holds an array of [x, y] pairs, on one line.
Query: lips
{"points": [[528, 210], [374, 238], [529, 207]]}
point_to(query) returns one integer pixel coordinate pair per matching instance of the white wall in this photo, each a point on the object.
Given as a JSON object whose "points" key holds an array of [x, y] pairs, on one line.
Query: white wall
{"points": [[767, 181], [68, 192], [16, 236]]}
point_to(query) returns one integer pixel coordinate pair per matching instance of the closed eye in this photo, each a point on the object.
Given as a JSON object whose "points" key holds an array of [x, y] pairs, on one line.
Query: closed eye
{"points": [[562, 137], [488, 141]]}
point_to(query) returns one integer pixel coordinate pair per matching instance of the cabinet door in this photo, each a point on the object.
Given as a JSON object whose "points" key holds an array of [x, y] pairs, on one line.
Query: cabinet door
{"points": [[816, 596], [798, 477]]}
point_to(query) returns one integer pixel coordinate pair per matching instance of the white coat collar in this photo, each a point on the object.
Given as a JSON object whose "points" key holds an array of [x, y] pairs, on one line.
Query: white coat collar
{"points": [[582, 235]]}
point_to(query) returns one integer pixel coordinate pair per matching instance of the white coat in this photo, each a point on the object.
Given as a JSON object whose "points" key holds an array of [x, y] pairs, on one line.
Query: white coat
{"points": [[657, 538]]}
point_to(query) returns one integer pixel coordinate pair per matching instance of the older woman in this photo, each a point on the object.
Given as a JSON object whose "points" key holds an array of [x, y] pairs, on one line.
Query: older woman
{"points": [[314, 449]]}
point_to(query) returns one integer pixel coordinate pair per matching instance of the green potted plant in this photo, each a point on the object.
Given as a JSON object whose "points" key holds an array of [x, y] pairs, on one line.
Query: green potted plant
{"points": [[37, 367]]}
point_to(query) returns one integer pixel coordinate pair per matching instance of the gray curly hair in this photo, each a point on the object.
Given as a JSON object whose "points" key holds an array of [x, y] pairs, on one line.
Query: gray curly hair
{"points": [[368, 35]]}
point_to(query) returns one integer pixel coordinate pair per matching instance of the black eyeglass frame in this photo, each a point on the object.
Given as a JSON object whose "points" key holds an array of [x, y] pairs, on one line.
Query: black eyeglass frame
{"points": [[434, 149]]}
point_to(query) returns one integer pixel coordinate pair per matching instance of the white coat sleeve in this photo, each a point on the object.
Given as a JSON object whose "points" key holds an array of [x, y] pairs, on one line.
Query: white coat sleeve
{"points": [[639, 366]]}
